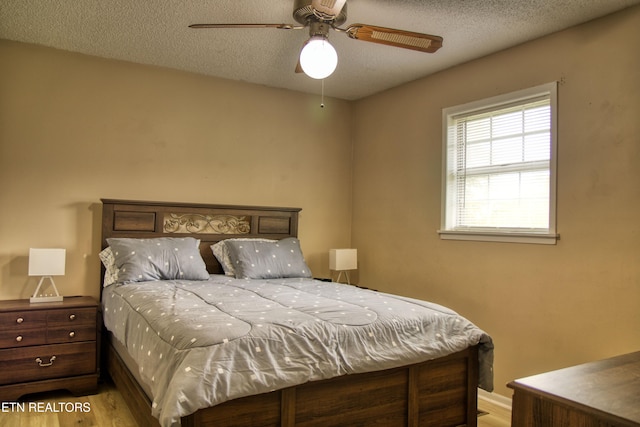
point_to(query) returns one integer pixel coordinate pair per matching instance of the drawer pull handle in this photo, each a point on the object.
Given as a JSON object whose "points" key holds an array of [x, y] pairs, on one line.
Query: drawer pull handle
{"points": [[19, 338], [44, 365], [72, 334], [19, 320], [72, 317]]}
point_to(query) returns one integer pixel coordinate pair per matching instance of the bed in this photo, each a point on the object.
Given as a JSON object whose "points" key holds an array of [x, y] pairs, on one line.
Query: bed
{"points": [[331, 355]]}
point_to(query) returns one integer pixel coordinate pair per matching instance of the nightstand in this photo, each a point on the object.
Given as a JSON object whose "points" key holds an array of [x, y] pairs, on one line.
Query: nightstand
{"points": [[48, 346]]}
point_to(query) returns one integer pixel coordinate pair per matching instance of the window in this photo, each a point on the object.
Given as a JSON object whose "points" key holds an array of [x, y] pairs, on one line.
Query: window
{"points": [[499, 168]]}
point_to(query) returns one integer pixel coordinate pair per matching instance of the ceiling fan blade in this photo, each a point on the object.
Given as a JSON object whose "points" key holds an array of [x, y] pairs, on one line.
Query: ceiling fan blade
{"points": [[398, 38], [328, 8], [279, 26]]}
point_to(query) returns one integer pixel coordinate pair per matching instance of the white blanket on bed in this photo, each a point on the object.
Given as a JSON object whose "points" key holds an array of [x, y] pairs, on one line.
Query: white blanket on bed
{"points": [[200, 343]]}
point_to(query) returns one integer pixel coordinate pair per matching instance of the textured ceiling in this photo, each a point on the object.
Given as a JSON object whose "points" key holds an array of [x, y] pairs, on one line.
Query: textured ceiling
{"points": [[156, 32]]}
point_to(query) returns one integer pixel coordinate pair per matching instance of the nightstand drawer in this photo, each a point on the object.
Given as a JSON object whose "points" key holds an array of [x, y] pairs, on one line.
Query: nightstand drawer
{"points": [[44, 362], [71, 333], [23, 320], [71, 316], [21, 337]]}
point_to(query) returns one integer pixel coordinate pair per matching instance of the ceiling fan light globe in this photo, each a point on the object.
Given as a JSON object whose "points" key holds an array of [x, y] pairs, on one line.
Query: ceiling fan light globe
{"points": [[318, 58]]}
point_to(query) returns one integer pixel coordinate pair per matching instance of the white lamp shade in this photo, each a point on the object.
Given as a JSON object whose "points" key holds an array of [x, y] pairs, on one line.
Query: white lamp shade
{"points": [[343, 259], [318, 58], [46, 262]]}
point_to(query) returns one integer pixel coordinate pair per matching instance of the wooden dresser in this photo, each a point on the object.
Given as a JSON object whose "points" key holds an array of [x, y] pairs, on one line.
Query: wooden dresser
{"points": [[48, 346], [605, 393]]}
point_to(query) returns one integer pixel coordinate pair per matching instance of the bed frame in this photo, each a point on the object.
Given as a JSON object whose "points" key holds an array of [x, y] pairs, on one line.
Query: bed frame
{"points": [[440, 392]]}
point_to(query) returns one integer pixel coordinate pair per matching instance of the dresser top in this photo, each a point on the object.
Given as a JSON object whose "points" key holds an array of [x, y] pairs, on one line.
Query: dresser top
{"points": [[610, 386], [67, 302]]}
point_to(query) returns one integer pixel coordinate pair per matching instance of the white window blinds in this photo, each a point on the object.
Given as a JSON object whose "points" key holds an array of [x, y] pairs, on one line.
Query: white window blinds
{"points": [[499, 167]]}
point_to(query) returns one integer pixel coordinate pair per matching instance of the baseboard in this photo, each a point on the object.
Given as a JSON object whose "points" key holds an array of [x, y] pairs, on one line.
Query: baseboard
{"points": [[495, 399]]}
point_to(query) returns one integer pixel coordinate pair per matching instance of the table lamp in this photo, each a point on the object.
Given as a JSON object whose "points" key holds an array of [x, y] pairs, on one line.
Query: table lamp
{"points": [[343, 260], [46, 263]]}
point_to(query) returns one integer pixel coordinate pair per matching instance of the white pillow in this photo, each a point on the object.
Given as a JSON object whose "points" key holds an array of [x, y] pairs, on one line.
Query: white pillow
{"points": [[110, 269]]}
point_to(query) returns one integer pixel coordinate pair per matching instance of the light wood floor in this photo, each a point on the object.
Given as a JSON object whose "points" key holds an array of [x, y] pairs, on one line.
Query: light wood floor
{"points": [[498, 415], [108, 409]]}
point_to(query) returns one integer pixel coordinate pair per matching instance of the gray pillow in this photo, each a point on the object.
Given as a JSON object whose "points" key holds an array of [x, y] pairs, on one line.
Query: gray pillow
{"points": [[164, 258], [221, 253], [267, 260]]}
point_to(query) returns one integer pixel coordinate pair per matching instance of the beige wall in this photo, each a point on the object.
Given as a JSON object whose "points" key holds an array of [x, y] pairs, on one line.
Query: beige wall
{"points": [[74, 129], [545, 306]]}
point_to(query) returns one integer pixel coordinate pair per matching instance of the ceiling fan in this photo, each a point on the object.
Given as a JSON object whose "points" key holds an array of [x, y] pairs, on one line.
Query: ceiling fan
{"points": [[318, 59]]}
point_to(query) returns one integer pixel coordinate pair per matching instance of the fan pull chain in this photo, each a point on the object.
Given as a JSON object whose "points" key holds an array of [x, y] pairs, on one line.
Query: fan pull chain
{"points": [[322, 96]]}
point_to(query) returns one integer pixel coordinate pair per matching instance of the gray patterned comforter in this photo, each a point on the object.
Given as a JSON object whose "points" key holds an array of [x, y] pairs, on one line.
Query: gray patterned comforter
{"points": [[200, 343]]}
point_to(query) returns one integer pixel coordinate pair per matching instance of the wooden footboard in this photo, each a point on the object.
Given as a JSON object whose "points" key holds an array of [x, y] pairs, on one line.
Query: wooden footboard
{"points": [[440, 392]]}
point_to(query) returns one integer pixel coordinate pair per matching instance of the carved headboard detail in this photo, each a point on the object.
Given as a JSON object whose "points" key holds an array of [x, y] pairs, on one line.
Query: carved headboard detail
{"points": [[209, 223], [206, 224]]}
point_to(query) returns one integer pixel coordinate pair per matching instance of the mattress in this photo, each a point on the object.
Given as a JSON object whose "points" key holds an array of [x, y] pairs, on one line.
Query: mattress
{"points": [[200, 343]]}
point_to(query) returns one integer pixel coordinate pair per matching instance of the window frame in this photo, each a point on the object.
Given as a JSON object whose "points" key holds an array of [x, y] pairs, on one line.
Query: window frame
{"points": [[499, 234]]}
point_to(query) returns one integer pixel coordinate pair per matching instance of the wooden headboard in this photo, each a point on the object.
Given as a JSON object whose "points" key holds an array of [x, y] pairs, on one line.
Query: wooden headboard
{"points": [[209, 223]]}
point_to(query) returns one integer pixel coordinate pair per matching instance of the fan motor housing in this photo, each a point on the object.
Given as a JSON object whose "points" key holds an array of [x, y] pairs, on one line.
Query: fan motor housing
{"points": [[303, 11]]}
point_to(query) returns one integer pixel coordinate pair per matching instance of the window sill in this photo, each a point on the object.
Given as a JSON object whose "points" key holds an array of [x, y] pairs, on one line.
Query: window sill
{"points": [[483, 236]]}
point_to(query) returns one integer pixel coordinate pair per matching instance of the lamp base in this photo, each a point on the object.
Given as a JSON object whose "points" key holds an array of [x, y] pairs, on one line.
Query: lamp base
{"points": [[346, 273], [46, 298], [54, 298]]}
